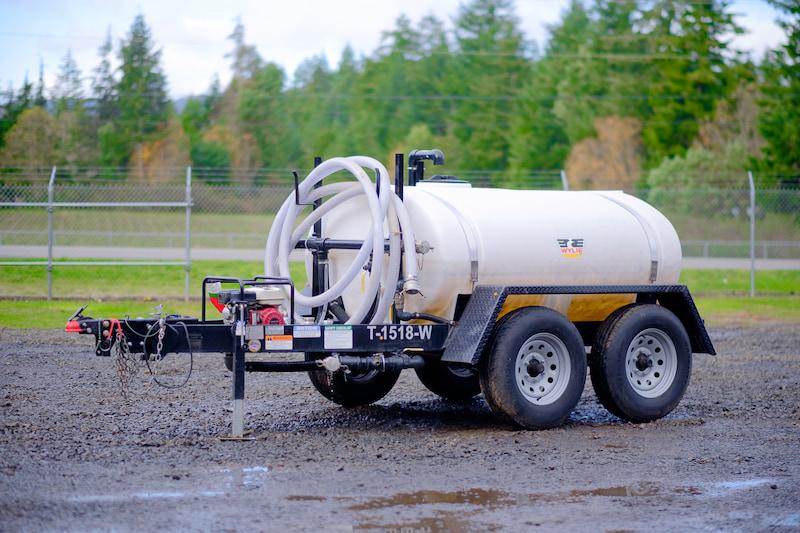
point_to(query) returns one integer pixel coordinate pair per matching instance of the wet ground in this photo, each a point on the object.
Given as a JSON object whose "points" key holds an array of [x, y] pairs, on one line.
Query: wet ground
{"points": [[77, 456]]}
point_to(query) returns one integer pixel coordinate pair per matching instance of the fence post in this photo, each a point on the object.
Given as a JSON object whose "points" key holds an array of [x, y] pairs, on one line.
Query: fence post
{"points": [[50, 208], [188, 266], [564, 183], [752, 234]]}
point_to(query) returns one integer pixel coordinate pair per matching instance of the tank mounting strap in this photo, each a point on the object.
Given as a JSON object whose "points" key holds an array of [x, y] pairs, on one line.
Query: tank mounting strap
{"points": [[649, 232], [469, 235]]}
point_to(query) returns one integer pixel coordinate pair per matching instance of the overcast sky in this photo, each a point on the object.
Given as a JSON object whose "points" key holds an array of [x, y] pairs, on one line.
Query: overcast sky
{"points": [[193, 35]]}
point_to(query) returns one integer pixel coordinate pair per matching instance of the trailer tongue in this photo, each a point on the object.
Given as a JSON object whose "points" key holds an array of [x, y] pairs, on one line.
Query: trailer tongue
{"points": [[471, 310]]}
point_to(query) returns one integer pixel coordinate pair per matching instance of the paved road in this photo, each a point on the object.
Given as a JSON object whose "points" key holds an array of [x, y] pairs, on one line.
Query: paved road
{"points": [[10, 253]]}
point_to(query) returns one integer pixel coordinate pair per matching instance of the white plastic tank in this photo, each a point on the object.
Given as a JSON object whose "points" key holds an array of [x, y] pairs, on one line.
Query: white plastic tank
{"points": [[479, 236]]}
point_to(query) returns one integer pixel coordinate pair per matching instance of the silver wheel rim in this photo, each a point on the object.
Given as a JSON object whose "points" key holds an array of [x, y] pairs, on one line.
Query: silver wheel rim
{"points": [[651, 363], [542, 368]]}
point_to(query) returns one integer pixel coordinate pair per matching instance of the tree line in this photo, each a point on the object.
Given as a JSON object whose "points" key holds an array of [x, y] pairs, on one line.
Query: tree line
{"points": [[635, 93]]}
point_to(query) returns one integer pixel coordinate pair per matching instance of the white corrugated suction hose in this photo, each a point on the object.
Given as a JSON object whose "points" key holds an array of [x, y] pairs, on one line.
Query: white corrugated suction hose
{"points": [[384, 207]]}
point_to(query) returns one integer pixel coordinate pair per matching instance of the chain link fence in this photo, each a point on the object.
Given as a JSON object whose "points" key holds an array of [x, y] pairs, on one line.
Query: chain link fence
{"points": [[66, 224]]}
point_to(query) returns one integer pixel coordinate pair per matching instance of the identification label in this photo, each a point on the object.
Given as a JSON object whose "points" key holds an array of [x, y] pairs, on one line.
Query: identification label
{"points": [[278, 342], [338, 338], [254, 332], [307, 332]]}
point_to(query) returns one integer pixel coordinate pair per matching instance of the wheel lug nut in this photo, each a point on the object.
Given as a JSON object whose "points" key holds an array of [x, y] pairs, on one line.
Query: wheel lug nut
{"points": [[643, 362], [535, 368]]}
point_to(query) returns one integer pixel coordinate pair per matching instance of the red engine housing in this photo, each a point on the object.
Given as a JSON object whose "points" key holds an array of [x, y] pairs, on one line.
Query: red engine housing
{"points": [[268, 316]]}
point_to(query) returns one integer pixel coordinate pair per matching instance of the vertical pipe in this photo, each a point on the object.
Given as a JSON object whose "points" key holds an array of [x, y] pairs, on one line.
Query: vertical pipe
{"points": [[398, 175], [564, 182], [317, 203], [752, 234], [50, 208], [188, 265]]}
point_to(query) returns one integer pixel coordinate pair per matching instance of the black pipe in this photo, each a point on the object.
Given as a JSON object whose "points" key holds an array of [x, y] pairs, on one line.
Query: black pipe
{"points": [[336, 307], [324, 245], [280, 366], [416, 165], [398, 175], [317, 203], [405, 317], [377, 362], [353, 363]]}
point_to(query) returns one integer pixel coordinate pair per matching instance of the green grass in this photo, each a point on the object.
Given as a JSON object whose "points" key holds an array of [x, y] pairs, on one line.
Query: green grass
{"points": [[124, 282], [746, 310], [122, 225], [737, 282], [721, 295]]}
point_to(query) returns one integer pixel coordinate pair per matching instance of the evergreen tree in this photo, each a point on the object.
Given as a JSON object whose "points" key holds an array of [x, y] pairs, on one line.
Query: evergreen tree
{"points": [[780, 121], [312, 104], [387, 92], [246, 61], [538, 135], [67, 93], [342, 107], [39, 99], [104, 86], [6, 110], [13, 106], [233, 128], [211, 99], [491, 68], [623, 65], [693, 70], [262, 115], [76, 127], [143, 103], [571, 67], [434, 74], [538, 140]]}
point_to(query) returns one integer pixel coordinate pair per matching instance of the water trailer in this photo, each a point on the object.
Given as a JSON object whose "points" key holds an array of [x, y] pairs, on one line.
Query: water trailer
{"points": [[481, 291]]}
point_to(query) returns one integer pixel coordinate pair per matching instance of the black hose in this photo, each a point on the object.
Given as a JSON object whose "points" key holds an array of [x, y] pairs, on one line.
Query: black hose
{"points": [[337, 309], [405, 317]]}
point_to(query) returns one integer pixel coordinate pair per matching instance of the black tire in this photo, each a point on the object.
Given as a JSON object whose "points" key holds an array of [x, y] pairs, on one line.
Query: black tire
{"points": [[449, 381], [641, 362], [351, 390], [535, 369]]}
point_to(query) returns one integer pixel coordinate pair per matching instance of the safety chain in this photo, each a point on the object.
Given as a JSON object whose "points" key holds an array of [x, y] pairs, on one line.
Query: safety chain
{"points": [[162, 328], [152, 359], [128, 364]]}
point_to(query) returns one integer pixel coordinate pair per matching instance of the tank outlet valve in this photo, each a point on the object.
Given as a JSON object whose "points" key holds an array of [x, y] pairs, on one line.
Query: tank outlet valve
{"points": [[331, 364], [423, 247]]}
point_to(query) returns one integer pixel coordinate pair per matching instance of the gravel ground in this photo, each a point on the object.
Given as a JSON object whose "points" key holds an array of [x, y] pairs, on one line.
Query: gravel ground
{"points": [[77, 456]]}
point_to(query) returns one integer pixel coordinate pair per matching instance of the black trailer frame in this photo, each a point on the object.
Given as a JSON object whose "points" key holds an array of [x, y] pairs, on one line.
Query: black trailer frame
{"points": [[358, 347]]}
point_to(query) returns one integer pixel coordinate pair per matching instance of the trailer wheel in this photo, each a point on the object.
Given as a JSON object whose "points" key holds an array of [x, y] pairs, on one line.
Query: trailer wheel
{"points": [[535, 370], [354, 389], [641, 362], [449, 381]]}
